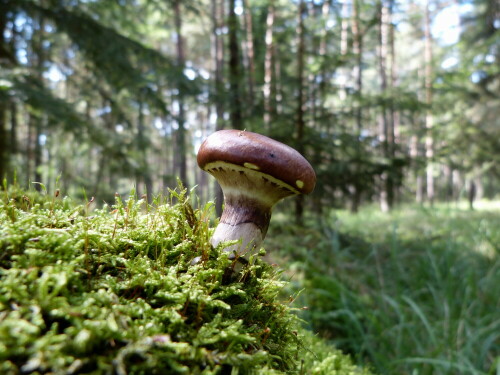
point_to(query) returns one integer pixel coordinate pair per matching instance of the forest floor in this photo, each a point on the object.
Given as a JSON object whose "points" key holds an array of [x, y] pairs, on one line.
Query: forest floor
{"points": [[415, 291]]}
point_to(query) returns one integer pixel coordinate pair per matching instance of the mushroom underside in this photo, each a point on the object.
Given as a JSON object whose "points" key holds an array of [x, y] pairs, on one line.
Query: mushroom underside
{"points": [[249, 196]]}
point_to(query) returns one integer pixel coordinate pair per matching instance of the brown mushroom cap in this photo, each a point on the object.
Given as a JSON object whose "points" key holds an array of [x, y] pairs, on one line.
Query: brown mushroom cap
{"points": [[259, 153]]}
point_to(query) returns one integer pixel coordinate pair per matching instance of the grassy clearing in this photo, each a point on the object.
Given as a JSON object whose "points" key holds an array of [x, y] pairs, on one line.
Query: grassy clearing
{"points": [[114, 290], [416, 291]]}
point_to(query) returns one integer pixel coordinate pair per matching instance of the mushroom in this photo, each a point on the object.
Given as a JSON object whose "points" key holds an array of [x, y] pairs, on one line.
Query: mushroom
{"points": [[254, 172]]}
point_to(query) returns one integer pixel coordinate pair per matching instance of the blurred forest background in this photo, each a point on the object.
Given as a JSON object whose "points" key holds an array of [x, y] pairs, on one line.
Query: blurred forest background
{"points": [[391, 101], [396, 104]]}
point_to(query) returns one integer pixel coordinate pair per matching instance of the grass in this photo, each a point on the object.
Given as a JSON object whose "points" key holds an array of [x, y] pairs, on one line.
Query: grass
{"points": [[416, 291], [114, 290]]}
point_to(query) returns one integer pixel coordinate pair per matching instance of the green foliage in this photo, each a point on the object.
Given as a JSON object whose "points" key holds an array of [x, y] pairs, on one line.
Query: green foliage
{"points": [[414, 292], [117, 290], [121, 61]]}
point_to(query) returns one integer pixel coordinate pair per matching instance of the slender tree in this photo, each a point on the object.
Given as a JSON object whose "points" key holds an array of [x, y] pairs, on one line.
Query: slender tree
{"points": [[217, 15], [143, 174], [4, 59], [235, 113], [39, 57], [181, 151], [250, 54], [394, 132], [386, 117], [3, 140], [429, 139], [357, 50], [268, 64], [300, 123], [325, 11]]}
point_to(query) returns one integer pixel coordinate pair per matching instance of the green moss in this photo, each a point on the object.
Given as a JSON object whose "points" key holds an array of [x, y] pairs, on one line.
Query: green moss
{"points": [[115, 290]]}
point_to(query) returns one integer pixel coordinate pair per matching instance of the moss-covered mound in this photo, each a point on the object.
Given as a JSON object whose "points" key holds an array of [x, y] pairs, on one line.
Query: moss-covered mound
{"points": [[116, 291]]}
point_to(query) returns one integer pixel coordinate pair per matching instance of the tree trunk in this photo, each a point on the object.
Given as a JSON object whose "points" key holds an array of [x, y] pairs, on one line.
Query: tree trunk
{"points": [[38, 151], [325, 11], [346, 20], [456, 178], [4, 150], [429, 139], [181, 117], [278, 87], [268, 68], [169, 144], [387, 192], [39, 55], [394, 132], [357, 49], [448, 174], [415, 154], [28, 149], [300, 111], [323, 90], [143, 175], [472, 194], [250, 54], [13, 128], [235, 115], [217, 11], [344, 32]]}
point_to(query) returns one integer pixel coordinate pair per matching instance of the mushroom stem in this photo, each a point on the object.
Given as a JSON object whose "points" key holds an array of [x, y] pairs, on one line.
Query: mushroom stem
{"points": [[249, 196], [243, 219], [248, 233]]}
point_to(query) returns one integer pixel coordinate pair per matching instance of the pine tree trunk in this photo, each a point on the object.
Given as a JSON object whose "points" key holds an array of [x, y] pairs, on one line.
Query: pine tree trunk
{"points": [[278, 87], [217, 10], [28, 149], [250, 54], [4, 150], [235, 114], [323, 90], [346, 20], [143, 175], [181, 117], [393, 113], [39, 55], [429, 139], [300, 111], [13, 129], [344, 26], [386, 124], [38, 152], [268, 65], [357, 49], [471, 194], [415, 155], [325, 10]]}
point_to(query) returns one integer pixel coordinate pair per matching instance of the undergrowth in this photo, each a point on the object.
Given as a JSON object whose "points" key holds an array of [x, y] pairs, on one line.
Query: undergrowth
{"points": [[135, 288], [416, 291]]}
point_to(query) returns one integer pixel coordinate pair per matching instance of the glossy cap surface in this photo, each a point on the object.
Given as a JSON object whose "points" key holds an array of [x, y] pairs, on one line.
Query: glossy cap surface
{"points": [[257, 152]]}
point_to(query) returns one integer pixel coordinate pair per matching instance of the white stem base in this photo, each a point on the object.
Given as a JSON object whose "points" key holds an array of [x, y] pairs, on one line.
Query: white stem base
{"points": [[248, 233]]}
